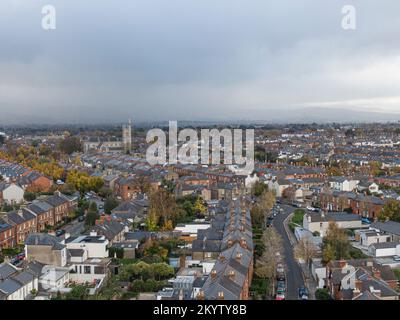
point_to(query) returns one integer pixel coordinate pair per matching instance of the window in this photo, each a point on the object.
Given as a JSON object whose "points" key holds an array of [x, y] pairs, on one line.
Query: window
{"points": [[98, 270], [86, 270]]}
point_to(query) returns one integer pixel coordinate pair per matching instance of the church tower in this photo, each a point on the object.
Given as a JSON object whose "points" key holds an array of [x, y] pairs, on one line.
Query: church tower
{"points": [[127, 137]]}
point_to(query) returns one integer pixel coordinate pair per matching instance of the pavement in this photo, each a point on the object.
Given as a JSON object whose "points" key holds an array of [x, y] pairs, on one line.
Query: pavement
{"points": [[294, 274]]}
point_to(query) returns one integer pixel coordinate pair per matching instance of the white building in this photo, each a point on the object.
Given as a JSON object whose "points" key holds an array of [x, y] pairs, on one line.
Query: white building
{"points": [[11, 193], [343, 184], [93, 246], [191, 229], [319, 222], [54, 278], [385, 249]]}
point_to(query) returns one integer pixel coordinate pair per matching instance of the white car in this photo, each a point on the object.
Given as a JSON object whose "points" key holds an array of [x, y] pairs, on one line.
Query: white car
{"points": [[396, 258]]}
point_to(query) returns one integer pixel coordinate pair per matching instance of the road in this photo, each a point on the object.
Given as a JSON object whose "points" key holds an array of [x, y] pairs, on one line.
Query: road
{"points": [[294, 277]]}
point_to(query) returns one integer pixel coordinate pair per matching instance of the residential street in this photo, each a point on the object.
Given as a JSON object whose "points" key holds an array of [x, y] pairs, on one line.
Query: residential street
{"points": [[294, 277]]}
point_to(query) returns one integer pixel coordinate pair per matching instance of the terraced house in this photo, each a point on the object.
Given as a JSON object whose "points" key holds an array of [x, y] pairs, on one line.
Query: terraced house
{"points": [[35, 218], [232, 273]]}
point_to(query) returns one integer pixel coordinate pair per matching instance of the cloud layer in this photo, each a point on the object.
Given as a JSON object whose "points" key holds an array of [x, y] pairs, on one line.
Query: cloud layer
{"points": [[192, 59]]}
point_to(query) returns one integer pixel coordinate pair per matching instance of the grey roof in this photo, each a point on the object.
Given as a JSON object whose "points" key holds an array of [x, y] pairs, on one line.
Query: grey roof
{"points": [[387, 226], [385, 245], [24, 277], [20, 216], [6, 270], [44, 239], [9, 286]]}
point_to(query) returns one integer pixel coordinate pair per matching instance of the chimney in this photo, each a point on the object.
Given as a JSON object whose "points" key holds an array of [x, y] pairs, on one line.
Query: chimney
{"points": [[220, 295], [377, 273], [20, 213], [342, 263], [358, 285], [67, 235], [213, 274], [200, 295]]}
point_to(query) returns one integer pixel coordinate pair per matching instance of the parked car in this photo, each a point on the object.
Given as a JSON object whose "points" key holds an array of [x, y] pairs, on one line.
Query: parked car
{"points": [[396, 258], [280, 268], [281, 276], [280, 296], [81, 218], [365, 220], [303, 293], [60, 232], [281, 285]]}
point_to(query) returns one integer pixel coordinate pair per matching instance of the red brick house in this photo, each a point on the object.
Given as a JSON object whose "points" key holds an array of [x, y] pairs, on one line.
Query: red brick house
{"points": [[7, 235]]}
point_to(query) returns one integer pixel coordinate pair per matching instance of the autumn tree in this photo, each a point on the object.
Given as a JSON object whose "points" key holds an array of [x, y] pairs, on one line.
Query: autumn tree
{"points": [[305, 249], [267, 263], [335, 243], [390, 211], [162, 207]]}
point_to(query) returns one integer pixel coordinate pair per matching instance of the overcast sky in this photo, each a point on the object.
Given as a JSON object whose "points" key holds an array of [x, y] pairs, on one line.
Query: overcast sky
{"points": [[195, 59]]}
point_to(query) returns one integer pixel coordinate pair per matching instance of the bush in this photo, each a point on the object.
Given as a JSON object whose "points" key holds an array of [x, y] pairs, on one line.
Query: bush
{"points": [[322, 294]]}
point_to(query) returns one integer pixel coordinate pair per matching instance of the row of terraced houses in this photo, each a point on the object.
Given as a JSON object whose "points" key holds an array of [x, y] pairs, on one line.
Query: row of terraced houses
{"points": [[16, 225]]}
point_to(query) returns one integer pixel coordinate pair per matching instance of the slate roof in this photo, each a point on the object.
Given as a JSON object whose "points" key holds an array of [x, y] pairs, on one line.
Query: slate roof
{"points": [[387, 226], [6, 270], [44, 239]]}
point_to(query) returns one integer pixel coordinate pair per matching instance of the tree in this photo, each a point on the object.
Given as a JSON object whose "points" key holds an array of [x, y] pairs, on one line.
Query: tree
{"points": [[1, 178], [110, 204], [335, 244], [70, 145], [92, 215], [162, 207], [305, 249], [78, 292], [390, 211], [29, 196], [199, 206], [267, 263], [322, 294], [266, 201], [259, 188]]}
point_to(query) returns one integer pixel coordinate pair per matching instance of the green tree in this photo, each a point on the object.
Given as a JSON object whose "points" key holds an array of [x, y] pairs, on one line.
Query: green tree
{"points": [[110, 204], [78, 292], [322, 294], [92, 215], [29, 196], [70, 145]]}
